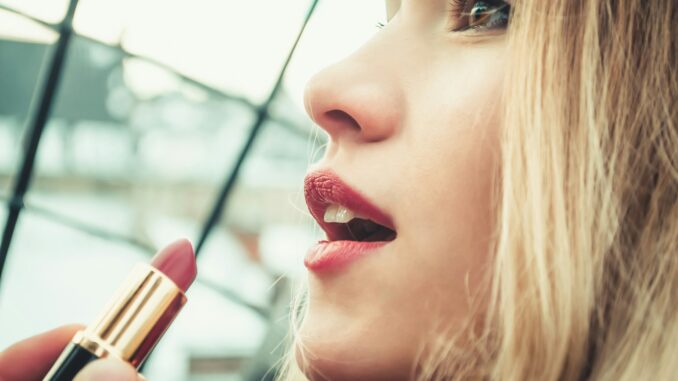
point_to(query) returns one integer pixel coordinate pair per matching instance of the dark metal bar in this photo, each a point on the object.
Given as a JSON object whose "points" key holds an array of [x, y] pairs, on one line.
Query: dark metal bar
{"points": [[262, 115], [41, 108]]}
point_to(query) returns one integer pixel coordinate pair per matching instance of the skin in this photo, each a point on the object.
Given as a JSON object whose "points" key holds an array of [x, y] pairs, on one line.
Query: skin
{"points": [[31, 359], [413, 124]]}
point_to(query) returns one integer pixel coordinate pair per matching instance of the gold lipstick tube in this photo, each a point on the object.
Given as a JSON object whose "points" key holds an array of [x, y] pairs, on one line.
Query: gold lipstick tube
{"points": [[129, 327]]}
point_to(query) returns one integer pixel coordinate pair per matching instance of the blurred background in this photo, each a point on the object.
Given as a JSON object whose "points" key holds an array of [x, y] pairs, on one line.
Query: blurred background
{"points": [[126, 124]]}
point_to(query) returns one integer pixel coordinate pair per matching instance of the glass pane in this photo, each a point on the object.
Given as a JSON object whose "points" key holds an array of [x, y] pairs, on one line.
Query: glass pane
{"points": [[322, 44], [52, 11], [235, 46], [64, 268], [133, 148], [258, 248], [104, 20], [21, 29], [210, 329], [268, 201], [23, 48]]}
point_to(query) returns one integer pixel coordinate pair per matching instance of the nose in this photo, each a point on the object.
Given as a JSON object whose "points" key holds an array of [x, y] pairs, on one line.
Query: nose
{"points": [[357, 99]]}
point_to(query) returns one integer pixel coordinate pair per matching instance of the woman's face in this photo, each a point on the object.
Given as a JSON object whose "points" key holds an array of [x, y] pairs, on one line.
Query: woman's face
{"points": [[413, 122]]}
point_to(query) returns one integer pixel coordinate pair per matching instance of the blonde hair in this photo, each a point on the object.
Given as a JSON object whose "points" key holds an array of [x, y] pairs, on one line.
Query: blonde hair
{"points": [[586, 254]]}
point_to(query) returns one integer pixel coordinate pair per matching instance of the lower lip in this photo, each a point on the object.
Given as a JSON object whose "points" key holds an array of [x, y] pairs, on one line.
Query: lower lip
{"points": [[327, 255]]}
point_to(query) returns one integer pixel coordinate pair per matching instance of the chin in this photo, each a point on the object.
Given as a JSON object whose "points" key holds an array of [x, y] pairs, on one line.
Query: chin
{"points": [[336, 348]]}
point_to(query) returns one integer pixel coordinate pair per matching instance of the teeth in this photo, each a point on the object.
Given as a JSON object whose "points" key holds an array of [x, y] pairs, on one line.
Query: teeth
{"points": [[338, 214]]}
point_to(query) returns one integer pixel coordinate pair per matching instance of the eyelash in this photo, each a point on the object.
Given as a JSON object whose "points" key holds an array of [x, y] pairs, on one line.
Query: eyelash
{"points": [[459, 10]]}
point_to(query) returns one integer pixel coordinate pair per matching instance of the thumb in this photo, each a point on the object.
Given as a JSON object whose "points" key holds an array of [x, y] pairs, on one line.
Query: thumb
{"points": [[107, 370]]}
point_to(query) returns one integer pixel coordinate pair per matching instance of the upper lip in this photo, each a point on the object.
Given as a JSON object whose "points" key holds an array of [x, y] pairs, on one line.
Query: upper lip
{"points": [[323, 188]]}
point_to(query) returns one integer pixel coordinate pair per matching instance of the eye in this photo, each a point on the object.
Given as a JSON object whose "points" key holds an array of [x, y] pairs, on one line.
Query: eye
{"points": [[480, 15]]}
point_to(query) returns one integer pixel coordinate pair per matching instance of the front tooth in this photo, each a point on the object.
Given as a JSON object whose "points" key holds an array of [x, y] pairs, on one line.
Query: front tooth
{"points": [[338, 214], [344, 215], [331, 213]]}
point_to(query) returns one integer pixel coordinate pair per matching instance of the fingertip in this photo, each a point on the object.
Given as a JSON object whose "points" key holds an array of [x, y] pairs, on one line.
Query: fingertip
{"points": [[31, 358], [107, 370]]}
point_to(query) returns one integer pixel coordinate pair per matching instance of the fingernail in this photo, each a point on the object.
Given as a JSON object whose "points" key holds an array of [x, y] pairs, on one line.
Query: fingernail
{"points": [[107, 370]]}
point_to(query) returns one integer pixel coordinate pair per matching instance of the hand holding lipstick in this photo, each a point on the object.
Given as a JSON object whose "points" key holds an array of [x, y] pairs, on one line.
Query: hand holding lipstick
{"points": [[112, 347], [29, 360]]}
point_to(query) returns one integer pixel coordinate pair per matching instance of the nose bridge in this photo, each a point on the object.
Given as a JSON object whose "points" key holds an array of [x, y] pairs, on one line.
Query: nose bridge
{"points": [[359, 97]]}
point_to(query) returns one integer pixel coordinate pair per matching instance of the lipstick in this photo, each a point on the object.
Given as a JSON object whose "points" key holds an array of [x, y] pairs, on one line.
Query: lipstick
{"points": [[137, 317]]}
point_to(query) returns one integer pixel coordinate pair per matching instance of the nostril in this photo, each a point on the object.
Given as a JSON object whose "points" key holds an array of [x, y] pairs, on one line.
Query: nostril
{"points": [[341, 118], [338, 122]]}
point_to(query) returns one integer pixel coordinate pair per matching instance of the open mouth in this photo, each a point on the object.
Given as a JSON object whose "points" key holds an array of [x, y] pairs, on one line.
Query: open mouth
{"points": [[356, 228], [343, 213], [354, 224]]}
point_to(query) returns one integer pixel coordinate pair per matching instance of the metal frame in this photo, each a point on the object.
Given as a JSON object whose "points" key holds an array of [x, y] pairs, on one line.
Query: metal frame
{"points": [[39, 114]]}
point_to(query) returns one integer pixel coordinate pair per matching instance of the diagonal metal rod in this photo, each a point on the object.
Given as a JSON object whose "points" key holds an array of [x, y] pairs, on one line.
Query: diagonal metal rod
{"points": [[40, 111], [262, 115]]}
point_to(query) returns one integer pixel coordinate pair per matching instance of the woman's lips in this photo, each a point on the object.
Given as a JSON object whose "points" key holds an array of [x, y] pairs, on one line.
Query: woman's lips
{"points": [[331, 254], [323, 188]]}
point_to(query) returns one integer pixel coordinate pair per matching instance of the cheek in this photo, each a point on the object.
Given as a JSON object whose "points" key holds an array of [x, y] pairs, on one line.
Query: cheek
{"points": [[453, 152]]}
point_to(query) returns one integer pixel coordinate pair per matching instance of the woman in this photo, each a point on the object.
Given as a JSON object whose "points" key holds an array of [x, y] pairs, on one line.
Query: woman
{"points": [[520, 161]]}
